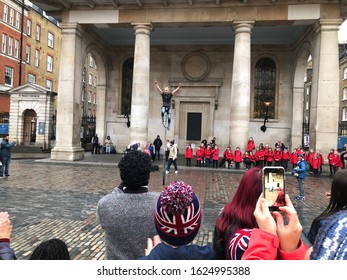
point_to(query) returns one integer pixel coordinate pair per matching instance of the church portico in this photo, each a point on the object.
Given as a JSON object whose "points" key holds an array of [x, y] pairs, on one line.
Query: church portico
{"points": [[251, 50]]}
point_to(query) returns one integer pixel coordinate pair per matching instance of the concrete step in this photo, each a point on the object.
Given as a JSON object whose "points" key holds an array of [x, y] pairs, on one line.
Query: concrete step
{"points": [[28, 149]]}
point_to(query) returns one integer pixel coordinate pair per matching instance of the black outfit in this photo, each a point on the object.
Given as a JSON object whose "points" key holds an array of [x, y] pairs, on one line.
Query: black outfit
{"points": [[157, 145], [166, 97], [95, 141]]}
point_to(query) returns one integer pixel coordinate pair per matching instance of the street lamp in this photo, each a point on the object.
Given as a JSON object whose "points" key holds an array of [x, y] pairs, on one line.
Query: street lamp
{"points": [[266, 117]]}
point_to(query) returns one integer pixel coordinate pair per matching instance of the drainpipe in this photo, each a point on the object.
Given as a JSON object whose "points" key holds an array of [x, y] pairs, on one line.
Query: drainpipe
{"points": [[21, 47]]}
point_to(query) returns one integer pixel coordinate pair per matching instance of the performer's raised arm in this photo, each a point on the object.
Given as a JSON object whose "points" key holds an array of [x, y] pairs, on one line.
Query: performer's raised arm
{"points": [[177, 89], [158, 87]]}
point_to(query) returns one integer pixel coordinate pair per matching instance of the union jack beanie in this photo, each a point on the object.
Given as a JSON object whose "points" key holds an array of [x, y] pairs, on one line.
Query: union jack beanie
{"points": [[238, 244], [177, 215], [331, 240]]}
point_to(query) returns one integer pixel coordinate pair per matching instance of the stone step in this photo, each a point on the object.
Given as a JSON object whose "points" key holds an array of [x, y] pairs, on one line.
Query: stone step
{"points": [[28, 149]]}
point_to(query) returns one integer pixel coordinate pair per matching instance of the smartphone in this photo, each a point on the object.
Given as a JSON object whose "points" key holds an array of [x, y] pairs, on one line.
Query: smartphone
{"points": [[274, 186]]}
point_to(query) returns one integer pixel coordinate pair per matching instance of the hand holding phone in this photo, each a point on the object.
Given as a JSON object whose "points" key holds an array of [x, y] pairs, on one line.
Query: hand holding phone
{"points": [[274, 186]]}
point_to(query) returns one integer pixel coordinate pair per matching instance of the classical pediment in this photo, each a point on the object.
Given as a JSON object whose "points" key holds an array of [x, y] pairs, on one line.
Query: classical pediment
{"points": [[29, 89]]}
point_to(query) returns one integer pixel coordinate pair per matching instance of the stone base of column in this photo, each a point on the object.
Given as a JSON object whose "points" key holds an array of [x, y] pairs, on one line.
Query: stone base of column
{"points": [[70, 154]]}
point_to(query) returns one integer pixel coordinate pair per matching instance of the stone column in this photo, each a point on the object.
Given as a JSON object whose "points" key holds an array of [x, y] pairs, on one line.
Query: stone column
{"points": [[101, 113], [324, 113], [297, 117], [69, 95], [241, 85], [140, 90]]}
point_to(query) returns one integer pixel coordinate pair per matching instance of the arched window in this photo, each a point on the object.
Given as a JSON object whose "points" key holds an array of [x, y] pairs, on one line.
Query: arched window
{"points": [[264, 88], [127, 84]]}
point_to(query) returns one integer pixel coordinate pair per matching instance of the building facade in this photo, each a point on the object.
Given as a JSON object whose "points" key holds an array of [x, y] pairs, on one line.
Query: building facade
{"points": [[30, 54], [238, 62]]}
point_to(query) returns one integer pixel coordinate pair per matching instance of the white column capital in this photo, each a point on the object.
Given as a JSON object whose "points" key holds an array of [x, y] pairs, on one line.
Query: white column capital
{"points": [[71, 28], [143, 28], [243, 26], [327, 25]]}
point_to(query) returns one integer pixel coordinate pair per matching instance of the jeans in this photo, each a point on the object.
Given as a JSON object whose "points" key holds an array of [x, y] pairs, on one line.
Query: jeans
{"points": [[301, 186], [171, 161], [5, 166]]}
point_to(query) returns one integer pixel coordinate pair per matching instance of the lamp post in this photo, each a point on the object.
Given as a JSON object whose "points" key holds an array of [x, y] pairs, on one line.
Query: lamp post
{"points": [[266, 117]]}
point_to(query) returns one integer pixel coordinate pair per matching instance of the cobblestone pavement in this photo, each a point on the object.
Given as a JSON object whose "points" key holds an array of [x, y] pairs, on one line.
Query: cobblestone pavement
{"points": [[47, 199]]}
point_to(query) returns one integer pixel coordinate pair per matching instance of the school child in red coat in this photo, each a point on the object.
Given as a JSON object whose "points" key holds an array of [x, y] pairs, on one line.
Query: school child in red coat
{"points": [[215, 156], [229, 157], [285, 158], [202, 148], [278, 154], [188, 155], [330, 161], [269, 157], [260, 156], [252, 158], [294, 158], [321, 162], [208, 154], [336, 162], [250, 145], [237, 157], [310, 156], [247, 160], [315, 163], [198, 156]]}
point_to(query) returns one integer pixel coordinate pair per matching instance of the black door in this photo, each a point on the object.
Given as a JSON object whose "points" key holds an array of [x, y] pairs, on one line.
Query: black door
{"points": [[194, 126]]}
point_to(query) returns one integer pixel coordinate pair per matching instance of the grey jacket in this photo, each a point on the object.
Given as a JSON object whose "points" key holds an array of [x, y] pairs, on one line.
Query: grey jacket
{"points": [[128, 220]]}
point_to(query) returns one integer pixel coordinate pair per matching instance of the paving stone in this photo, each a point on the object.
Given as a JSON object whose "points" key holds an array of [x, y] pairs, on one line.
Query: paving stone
{"points": [[47, 199]]}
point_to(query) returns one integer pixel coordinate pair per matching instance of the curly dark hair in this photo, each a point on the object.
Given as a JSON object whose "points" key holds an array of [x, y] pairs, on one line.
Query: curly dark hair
{"points": [[52, 249], [135, 167]]}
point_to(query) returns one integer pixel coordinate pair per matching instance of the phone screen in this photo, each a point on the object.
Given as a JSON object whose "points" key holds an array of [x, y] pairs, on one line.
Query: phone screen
{"points": [[274, 186]]}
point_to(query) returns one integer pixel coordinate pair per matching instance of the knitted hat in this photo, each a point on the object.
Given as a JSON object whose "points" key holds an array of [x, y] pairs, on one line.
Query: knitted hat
{"points": [[177, 215], [238, 244], [331, 240]]}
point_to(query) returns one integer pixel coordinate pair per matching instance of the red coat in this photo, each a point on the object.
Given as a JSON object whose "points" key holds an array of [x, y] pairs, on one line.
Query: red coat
{"points": [[310, 158], [189, 152], [315, 162], [250, 145], [336, 161], [259, 155], [330, 157], [215, 155], [228, 154], [321, 159], [237, 156], [278, 155], [269, 156], [202, 150], [286, 155], [198, 154], [294, 158], [208, 152]]}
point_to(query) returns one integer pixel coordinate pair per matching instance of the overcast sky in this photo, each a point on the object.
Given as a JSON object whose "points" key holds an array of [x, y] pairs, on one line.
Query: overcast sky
{"points": [[343, 32]]}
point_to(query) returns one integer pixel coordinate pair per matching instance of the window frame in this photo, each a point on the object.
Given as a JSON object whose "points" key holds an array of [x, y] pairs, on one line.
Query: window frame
{"points": [[49, 59], [50, 82], [37, 58], [3, 43], [265, 89], [344, 93], [38, 32], [344, 114], [27, 54], [16, 49], [29, 25], [17, 20], [345, 73], [33, 77], [5, 15], [9, 68], [10, 46], [50, 41], [11, 17]]}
